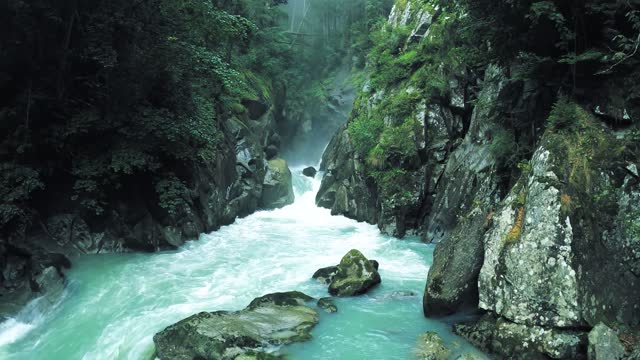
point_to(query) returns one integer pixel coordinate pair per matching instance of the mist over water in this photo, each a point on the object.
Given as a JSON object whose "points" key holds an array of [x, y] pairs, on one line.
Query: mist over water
{"points": [[114, 304]]}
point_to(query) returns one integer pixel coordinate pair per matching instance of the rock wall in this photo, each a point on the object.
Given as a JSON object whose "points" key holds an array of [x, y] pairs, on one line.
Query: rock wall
{"points": [[539, 232]]}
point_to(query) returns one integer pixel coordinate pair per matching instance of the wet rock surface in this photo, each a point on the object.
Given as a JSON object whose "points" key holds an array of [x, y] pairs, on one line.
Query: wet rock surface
{"points": [[355, 275], [277, 188], [271, 320], [310, 172], [431, 347], [328, 305]]}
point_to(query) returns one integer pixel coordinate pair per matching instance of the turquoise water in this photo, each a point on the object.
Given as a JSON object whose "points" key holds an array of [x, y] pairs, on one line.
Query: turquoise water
{"points": [[114, 304]]}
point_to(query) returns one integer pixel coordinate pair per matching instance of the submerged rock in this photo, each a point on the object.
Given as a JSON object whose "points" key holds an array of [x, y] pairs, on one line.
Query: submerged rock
{"points": [[310, 172], [355, 275], [327, 305], [277, 189], [431, 347], [271, 320], [604, 344]]}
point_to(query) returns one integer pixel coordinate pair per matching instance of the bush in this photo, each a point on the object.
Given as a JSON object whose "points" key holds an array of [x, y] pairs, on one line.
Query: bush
{"points": [[364, 132]]}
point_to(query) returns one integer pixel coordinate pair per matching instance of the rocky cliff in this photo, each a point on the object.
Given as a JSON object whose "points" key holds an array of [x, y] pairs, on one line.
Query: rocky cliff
{"points": [[247, 174], [535, 226]]}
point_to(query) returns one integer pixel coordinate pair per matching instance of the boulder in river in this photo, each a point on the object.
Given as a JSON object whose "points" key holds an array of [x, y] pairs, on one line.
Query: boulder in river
{"points": [[327, 305], [431, 347], [277, 189], [271, 320], [355, 275], [326, 274], [310, 172]]}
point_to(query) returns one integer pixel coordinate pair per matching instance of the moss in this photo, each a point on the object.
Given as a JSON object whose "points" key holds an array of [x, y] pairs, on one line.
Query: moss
{"points": [[238, 108], [566, 204], [581, 145]]}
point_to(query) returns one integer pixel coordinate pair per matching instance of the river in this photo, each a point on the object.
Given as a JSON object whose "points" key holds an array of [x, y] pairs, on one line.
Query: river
{"points": [[114, 304]]}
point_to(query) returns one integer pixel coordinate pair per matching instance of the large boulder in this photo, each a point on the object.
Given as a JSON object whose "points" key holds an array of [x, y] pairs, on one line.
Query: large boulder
{"points": [[604, 344], [271, 320], [462, 211], [355, 275], [277, 188], [310, 172]]}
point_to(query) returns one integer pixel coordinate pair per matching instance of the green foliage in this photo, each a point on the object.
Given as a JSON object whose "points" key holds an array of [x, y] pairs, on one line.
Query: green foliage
{"points": [[566, 114], [393, 185], [364, 132], [504, 147], [172, 193], [17, 183], [582, 145], [396, 143]]}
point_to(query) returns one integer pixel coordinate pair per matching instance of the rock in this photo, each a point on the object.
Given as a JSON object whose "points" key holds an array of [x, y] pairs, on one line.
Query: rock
{"points": [[517, 341], [327, 305], [355, 275], [274, 319], [604, 344], [277, 189], [275, 140], [325, 275], [344, 187], [431, 347], [255, 108], [271, 152], [470, 356], [291, 298], [310, 172], [509, 280]]}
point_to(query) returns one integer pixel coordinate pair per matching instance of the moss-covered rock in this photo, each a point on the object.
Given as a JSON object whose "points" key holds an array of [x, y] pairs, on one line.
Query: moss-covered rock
{"points": [[274, 319], [355, 275], [327, 304], [325, 275], [277, 189], [431, 347]]}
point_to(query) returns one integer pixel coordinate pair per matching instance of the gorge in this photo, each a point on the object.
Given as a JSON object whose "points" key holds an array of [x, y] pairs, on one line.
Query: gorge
{"points": [[482, 155]]}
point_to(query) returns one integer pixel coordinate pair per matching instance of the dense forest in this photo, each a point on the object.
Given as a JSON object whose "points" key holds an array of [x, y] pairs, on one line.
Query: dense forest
{"points": [[505, 132]]}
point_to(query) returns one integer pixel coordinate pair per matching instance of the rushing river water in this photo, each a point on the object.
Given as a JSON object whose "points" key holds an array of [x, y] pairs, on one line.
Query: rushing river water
{"points": [[114, 304]]}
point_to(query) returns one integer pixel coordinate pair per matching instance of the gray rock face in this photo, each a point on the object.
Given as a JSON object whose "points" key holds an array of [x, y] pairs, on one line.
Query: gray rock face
{"points": [[344, 187], [517, 341], [355, 275], [604, 344], [462, 213], [431, 347], [276, 319], [277, 189], [532, 279]]}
